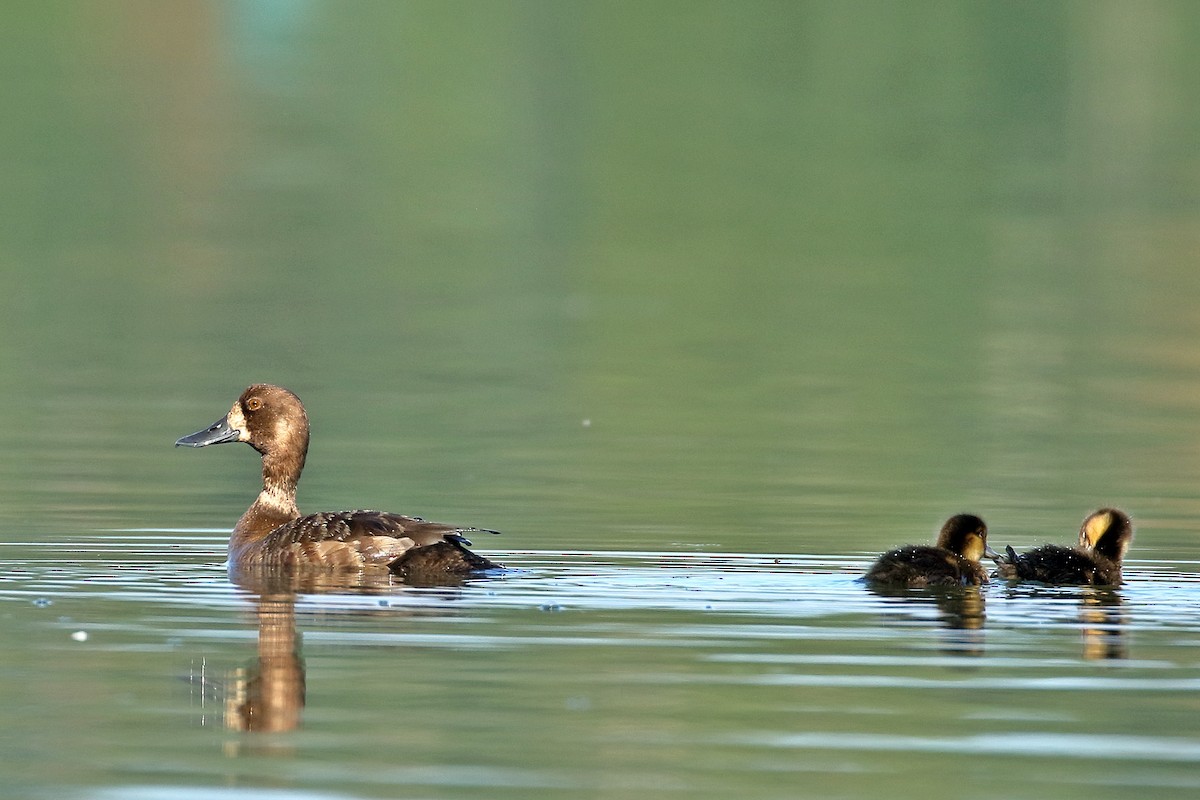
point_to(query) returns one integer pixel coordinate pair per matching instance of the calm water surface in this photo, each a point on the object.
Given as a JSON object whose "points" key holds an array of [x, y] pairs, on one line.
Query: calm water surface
{"points": [[648, 674], [702, 304]]}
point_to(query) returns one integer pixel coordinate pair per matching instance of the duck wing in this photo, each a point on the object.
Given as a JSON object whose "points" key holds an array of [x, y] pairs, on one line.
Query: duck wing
{"points": [[353, 539], [1054, 565]]}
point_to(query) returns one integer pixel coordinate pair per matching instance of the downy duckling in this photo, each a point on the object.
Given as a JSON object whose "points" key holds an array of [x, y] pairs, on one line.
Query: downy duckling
{"points": [[273, 535], [1104, 538], [953, 562]]}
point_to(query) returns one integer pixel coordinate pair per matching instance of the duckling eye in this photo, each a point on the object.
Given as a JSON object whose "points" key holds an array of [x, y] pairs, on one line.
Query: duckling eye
{"points": [[253, 404]]}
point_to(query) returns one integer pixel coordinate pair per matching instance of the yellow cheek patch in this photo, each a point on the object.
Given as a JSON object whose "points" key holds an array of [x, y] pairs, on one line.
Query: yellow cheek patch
{"points": [[973, 547], [1094, 528]]}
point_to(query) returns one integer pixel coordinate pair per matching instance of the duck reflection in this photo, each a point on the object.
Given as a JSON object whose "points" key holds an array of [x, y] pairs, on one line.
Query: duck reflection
{"points": [[961, 614], [962, 610], [1102, 615], [267, 582], [268, 695]]}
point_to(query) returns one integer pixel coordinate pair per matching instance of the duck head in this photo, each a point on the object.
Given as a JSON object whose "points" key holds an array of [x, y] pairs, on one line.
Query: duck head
{"points": [[269, 418], [1108, 532], [966, 535]]}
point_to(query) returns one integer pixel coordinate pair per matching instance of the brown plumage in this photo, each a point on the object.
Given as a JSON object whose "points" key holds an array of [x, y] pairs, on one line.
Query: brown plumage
{"points": [[1104, 538], [953, 562], [272, 534]]}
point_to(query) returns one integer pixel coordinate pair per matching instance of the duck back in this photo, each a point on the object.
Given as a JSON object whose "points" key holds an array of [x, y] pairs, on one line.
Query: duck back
{"points": [[918, 566], [1059, 565], [350, 540]]}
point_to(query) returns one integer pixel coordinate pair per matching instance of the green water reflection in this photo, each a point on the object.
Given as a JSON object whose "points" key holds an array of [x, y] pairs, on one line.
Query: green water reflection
{"points": [[750, 277]]}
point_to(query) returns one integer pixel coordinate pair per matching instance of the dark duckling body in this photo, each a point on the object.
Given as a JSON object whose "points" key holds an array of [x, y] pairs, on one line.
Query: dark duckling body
{"points": [[1104, 538], [273, 535], [954, 561]]}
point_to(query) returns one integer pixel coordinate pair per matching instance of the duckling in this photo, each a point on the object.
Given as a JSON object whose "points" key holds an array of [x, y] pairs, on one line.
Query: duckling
{"points": [[272, 534], [1104, 538], [953, 562]]}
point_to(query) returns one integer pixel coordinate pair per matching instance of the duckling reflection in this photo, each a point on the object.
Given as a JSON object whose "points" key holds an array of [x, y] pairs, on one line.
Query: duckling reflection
{"points": [[1103, 619], [961, 614], [963, 617], [1099, 615]]}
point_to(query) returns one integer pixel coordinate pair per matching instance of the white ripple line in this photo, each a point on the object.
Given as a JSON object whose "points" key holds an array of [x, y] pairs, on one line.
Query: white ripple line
{"points": [[1060, 683], [1031, 743]]}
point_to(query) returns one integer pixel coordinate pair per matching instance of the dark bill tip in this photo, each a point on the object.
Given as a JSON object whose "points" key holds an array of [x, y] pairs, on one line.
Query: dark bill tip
{"points": [[217, 433]]}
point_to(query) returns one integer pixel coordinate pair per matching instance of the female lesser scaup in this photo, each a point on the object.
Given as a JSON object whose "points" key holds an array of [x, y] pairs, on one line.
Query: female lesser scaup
{"points": [[1104, 538], [953, 562], [272, 533]]}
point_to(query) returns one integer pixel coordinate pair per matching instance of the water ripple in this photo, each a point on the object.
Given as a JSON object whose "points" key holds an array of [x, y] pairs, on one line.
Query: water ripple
{"points": [[1032, 744]]}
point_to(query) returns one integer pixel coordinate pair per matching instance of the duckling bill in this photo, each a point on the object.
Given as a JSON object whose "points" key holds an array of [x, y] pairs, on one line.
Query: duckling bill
{"points": [[1104, 539], [954, 561], [273, 534]]}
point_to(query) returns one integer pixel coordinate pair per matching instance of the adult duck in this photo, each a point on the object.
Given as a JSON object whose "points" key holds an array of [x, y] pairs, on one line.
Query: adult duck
{"points": [[273, 535]]}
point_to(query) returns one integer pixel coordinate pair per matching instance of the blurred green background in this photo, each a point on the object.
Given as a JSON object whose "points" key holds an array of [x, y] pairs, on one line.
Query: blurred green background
{"points": [[796, 278], [754, 276]]}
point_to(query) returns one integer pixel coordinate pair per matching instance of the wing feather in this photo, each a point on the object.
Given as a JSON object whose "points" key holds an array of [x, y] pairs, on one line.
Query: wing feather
{"points": [[358, 538]]}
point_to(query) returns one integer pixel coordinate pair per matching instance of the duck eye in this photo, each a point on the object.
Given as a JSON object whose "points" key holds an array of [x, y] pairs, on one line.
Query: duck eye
{"points": [[253, 404]]}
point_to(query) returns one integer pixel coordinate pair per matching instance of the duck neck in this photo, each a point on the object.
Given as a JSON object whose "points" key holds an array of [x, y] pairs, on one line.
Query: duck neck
{"points": [[276, 503]]}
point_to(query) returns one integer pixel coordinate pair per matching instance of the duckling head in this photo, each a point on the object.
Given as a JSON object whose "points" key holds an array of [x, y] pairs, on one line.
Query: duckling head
{"points": [[966, 535], [1108, 532]]}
